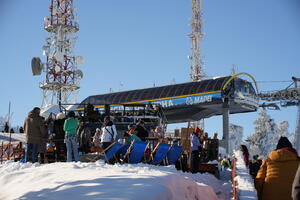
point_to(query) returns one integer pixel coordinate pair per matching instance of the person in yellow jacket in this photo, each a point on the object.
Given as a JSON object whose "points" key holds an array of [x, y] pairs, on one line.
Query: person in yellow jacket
{"points": [[275, 177]]}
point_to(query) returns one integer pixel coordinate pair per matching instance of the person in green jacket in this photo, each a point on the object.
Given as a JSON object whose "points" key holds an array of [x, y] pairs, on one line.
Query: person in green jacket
{"points": [[130, 135], [70, 128]]}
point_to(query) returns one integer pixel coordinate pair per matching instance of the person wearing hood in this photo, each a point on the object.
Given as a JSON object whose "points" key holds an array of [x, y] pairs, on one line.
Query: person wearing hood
{"points": [[275, 177], [35, 131], [97, 138]]}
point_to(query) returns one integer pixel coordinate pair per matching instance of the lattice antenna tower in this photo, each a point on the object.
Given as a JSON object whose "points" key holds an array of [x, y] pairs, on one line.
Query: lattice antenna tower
{"points": [[196, 36], [62, 76]]}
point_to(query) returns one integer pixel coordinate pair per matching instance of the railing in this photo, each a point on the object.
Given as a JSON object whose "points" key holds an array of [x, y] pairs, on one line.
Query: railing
{"points": [[234, 181], [242, 182], [11, 151]]}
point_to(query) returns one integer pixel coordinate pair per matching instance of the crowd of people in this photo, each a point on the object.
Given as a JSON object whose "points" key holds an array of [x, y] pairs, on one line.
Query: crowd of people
{"points": [[278, 176], [69, 136], [6, 129], [203, 149]]}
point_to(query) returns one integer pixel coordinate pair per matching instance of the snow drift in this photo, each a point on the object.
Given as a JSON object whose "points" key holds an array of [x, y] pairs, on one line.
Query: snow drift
{"points": [[101, 181]]}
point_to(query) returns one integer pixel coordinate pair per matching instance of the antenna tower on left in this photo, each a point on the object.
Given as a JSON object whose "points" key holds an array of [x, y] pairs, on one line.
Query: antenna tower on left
{"points": [[61, 74], [196, 36]]}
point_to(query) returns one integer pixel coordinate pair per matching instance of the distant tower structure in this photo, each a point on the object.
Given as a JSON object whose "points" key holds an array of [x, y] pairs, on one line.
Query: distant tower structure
{"points": [[196, 37], [62, 76], [233, 70]]}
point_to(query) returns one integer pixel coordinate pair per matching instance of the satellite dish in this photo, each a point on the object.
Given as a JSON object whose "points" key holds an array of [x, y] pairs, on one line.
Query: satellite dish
{"points": [[79, 60], [36, 66], [79, 73]]}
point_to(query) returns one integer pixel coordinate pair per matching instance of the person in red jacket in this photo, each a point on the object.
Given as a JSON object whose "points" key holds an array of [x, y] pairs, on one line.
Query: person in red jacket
{"points": [[244, 149]]}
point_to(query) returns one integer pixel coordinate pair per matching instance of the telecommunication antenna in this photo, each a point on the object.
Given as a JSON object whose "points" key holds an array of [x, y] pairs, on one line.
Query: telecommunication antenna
{"points": [[196, 36], [61, 74]]}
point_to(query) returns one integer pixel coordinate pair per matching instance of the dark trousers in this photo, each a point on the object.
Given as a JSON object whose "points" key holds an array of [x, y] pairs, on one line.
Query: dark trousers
{"points": [[195, 161], [104, 145], [32, 153]]}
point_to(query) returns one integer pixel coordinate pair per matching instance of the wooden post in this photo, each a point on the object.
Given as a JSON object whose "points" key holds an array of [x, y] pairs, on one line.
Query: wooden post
{"points": [[189, 153]]}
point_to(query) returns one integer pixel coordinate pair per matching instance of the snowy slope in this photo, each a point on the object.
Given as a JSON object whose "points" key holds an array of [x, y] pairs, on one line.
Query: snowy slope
{"points": [[101, 181], [15, 137]]}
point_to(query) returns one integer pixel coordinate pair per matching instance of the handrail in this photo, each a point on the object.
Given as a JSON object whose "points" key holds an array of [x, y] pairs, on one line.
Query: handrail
{"points": [[234, 181], [11, 150]]}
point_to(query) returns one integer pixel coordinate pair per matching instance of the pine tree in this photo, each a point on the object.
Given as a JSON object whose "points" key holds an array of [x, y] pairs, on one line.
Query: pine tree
{"points": [[266, 135], [235, 137], [283, 129]]}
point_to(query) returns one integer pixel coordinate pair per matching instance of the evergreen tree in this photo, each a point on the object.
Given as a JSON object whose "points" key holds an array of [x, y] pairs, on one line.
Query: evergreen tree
{"points": [[266, 135], [283, 129], [235, 137]]}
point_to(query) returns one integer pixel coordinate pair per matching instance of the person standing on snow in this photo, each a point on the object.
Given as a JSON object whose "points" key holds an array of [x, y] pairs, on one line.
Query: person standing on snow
{"points": [[70, 128], [275, 177], [195, 146], [109, 133], [35, 130], [244, 149], [84, 134]]}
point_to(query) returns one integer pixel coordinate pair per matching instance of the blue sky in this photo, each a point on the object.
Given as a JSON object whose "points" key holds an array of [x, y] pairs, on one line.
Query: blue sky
{"points": [[141, 43]]}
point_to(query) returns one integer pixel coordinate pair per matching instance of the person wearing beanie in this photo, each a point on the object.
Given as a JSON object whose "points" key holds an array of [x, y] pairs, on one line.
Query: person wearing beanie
{"points": [[275, 177]]}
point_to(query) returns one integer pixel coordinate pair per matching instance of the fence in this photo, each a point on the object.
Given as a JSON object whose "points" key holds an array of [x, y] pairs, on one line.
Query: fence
{"points": [[234, 181], [11, 151]]}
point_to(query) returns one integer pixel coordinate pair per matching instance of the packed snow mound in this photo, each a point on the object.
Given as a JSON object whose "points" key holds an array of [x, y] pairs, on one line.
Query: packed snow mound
{"points": [[100, 181]]}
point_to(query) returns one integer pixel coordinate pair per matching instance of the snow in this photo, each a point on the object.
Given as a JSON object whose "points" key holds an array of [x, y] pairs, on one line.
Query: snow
{"points": [[102, 181], [15, 137], [246, 189]]}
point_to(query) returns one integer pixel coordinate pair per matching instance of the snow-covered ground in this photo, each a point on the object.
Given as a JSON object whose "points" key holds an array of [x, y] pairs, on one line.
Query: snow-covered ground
{"points": [[246, 189], [102, 181], [15, 137]]}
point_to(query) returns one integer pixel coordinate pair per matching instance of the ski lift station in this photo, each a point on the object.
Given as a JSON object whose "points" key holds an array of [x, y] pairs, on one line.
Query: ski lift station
{"points": [[190, 101]]}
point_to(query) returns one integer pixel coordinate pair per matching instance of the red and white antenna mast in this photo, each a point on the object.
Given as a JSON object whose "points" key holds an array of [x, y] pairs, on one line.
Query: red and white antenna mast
{"points": [[62, 76], [196, 37]]}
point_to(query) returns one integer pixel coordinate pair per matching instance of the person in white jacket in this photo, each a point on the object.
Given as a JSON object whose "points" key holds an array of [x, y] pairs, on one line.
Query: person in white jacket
{"points": [[109, 133]]}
